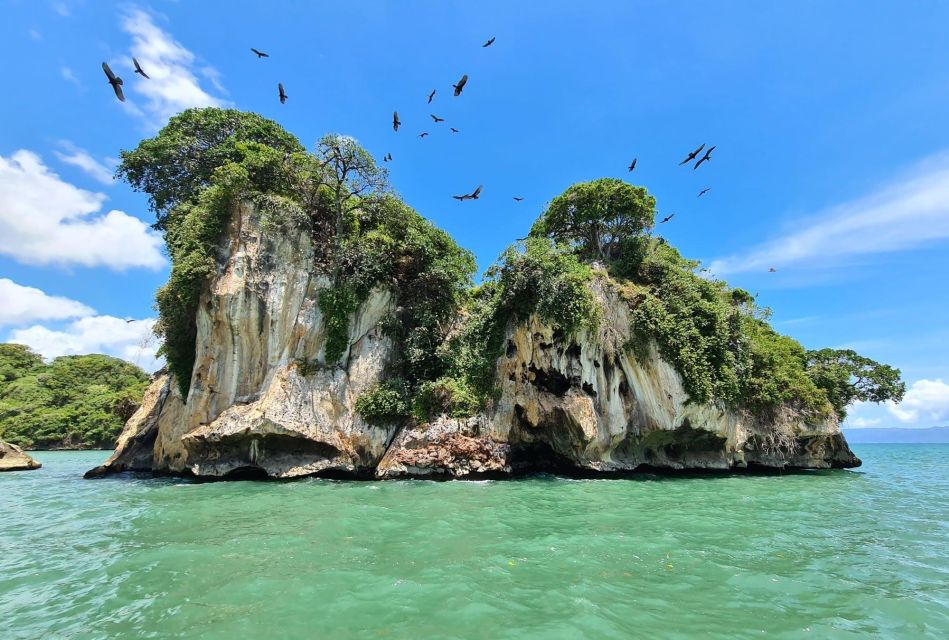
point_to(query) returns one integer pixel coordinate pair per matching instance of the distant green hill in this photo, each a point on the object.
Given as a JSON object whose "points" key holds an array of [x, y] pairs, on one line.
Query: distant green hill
{"points": [[73, 402], [932, 435]]}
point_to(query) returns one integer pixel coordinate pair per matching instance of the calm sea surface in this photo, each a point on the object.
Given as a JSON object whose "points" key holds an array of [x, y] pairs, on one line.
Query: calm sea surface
{"points": [[847, 554]]}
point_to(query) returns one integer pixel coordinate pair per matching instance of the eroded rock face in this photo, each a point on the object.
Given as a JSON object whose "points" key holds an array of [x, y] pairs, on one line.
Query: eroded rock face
{"points": [[263, 401], [12, 458]]}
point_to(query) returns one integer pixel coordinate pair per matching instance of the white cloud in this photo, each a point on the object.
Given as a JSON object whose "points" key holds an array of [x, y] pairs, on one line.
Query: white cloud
{"points": [[910, 212], [926, 400], [173, 85], [77, 157], [44, 220], [26, 304], [861, 423], [132, 341], [68, 74]]}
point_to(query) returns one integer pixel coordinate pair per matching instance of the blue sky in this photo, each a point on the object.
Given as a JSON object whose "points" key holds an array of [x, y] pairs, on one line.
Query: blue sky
{"points": [[832, 159]]}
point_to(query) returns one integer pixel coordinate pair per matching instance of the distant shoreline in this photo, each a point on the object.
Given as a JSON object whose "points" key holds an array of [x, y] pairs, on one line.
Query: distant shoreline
{"points": [[896, 435]]}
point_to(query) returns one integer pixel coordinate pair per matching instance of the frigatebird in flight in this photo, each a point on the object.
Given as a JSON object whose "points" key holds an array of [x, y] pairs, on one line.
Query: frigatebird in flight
{"points": [[461, 85], [138, 69], [436, 118], [423, 134], [632, 165], [395, 121], [283, 94], [704, 191], [474, 195], [260, 54], [516, 199], [692, 155], [387, 157], [453, 130], [489, 42], [705, 158], [431, 95], [115, 81], [667, 218]]}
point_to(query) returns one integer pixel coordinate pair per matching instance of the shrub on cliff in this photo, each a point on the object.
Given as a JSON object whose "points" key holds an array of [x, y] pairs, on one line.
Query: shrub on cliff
{"points": [[74, 401]]}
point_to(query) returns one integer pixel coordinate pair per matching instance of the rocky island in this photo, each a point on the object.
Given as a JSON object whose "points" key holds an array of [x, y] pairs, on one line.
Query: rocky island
{"points": [[12, 458], [314, 324]]}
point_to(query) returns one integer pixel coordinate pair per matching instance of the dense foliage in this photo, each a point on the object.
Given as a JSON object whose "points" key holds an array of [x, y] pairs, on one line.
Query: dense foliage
{"points": [[74, 401], [448, 335]]}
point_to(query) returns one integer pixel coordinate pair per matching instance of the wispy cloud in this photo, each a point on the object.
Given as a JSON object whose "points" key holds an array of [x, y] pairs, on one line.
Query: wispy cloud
{"points": [[45, 220], [911, 212], [27, 304], [69, 75], [36, 35], [96, 169], [174, 85], [925, 400]]}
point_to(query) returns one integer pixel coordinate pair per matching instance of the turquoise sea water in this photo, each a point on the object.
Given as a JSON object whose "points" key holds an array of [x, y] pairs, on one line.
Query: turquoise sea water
{"points": [[844, 554]]}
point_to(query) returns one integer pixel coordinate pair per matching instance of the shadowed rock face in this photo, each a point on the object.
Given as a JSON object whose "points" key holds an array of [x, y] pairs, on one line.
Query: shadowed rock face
{"points": [[264, 403], [12, 458]]}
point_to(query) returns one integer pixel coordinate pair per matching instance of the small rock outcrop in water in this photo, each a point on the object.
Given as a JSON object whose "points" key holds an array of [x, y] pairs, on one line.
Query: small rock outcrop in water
{"points": [[12, 458], [579, 403]]}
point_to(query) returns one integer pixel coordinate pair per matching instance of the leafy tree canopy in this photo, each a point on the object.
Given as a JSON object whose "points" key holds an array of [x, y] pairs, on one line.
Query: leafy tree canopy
{"points": [[175, 165], [74, 401], [597, 217], [847, 377]]}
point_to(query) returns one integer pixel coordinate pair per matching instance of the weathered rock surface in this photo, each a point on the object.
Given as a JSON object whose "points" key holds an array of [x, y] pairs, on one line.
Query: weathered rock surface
{"points": [[263, 401], [12, 458]]}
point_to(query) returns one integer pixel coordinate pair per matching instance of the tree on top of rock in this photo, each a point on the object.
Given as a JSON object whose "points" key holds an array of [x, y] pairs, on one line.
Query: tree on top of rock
{"points": [[596, 217]]}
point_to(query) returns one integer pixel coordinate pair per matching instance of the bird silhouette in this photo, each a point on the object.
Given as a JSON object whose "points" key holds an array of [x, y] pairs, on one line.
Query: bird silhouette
{"points": [[489, 42], [138, 69], [423, 134], [692, 155], [704, 191], [772, 270], [474, 195], [283, 94], [453, 130], [632, 165], [387, 157], [516, 199], [667, 218], [705, 158], [395, 121], [430, 96], [461, 85], [260, 54], [115, 81], [128, 320], [436, 118]]}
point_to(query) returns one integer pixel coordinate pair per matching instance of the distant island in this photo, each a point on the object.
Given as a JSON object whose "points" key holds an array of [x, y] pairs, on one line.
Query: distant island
{"points": [[896, 435]]}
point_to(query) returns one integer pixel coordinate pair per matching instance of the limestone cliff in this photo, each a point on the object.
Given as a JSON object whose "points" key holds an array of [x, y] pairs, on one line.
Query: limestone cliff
{"points": [[12, 458], [263, 400]]}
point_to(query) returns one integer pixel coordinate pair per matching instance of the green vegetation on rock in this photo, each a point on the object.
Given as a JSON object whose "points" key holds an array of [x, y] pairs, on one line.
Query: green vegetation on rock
{"points": [[449, 334], [72, 402]]}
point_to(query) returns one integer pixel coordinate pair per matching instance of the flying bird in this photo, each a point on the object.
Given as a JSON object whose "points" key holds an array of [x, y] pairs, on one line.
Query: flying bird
{"points": [[127, 320], [632, 165], [436, 118], [138, 69], [423, 134], [387, 157], [692, 155], [115, 81], [260, 54], [453, 130], [461, 85], [772, 270], [704, 191], [431, 95], [283, 94], [489, 42], [706, 157], [516, 199], [667, 218], [395, 121], [474, 195]]}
